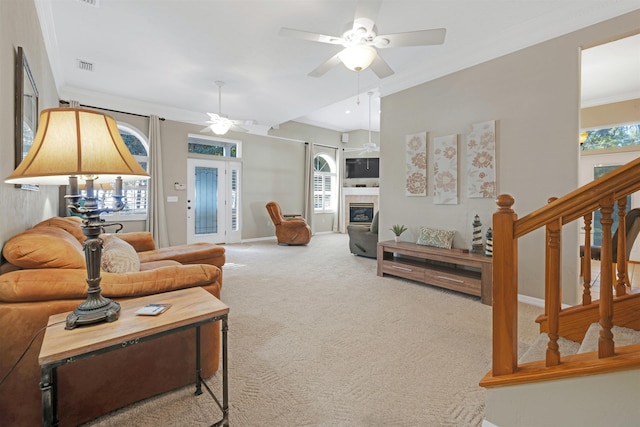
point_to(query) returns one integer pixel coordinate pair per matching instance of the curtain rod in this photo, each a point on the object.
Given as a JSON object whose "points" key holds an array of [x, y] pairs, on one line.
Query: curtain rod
{"points": [[322, 145], [113, 111]]}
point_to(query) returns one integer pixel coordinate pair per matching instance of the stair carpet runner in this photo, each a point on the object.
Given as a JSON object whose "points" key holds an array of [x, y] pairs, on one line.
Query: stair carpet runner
{"points": [[621, 336]]}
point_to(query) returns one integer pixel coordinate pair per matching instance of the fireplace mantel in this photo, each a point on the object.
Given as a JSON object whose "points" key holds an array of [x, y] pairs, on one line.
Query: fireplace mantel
{"points": [[361, 191]]}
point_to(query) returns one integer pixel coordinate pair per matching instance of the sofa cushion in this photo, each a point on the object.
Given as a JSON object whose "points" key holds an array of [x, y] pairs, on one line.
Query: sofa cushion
{"points": [[118, 256], [436, 238], [44, 247], [71, 224]]}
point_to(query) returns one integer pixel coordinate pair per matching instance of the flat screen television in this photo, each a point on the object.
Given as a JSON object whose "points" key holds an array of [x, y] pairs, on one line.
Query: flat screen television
{"points": [[363, 167]]}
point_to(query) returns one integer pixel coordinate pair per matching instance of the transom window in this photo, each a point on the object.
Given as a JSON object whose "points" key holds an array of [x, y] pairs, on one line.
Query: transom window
{"points": [[324, 183], [220, 147], [613, 137]]}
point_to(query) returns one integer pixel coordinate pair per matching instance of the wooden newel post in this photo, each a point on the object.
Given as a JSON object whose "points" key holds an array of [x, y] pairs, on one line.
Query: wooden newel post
{"points": [[505, 288]]}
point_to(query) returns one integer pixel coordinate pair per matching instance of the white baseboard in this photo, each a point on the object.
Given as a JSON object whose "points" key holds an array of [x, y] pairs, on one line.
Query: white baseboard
{"points": [[258, 239], [531, 300], [536, 301], [486, 423]]}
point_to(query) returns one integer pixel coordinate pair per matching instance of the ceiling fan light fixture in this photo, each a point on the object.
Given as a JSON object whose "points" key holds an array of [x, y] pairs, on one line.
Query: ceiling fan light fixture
{"points": [[357, 57], [221, 126]]}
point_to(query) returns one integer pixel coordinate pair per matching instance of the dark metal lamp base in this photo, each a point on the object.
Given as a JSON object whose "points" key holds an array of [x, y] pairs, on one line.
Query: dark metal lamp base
{"points": [[85, 316]]}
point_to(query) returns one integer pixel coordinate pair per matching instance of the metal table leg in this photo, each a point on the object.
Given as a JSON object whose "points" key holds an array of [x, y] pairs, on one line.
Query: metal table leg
{"points": [[49, 388]]}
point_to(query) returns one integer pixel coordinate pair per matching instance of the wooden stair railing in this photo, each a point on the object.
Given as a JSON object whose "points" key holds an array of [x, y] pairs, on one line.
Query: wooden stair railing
{"points": [[601, 194]]}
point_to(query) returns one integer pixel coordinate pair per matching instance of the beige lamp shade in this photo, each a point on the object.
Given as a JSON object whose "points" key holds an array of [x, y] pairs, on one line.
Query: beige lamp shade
{"points": [[76, 142]]}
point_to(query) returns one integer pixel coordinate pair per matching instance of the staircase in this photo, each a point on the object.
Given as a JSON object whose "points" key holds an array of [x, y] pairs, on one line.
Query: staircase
{"points": [[621, 336], [596, 379]]}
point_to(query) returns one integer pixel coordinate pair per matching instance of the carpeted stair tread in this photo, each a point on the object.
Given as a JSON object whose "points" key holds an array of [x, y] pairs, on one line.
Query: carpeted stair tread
{"points": [[621, 336], [538, 349]]}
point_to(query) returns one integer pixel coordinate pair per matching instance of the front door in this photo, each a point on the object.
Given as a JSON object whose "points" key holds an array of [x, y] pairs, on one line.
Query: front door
{"points": [[206, 200]]}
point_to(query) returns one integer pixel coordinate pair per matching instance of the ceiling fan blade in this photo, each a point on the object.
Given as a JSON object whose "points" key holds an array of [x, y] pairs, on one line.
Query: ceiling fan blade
{"points": [[236, 128], [411, 38], [305, 35], [243, 122], [325, 66], [380, 67], [366, 14]]}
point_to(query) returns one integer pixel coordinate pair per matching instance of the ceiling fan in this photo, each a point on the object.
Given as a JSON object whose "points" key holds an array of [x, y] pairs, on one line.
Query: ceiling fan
{"points": [[369, 146], [221, 124], [361, 39]]}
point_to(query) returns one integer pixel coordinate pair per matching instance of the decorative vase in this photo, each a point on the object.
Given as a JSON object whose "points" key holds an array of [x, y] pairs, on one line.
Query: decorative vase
{"points": [[396, 238]]}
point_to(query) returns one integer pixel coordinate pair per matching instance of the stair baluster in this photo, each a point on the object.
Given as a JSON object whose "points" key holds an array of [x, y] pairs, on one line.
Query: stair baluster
{"points": [[620, 282], [606, 346], [586, 260], [553, 291]]}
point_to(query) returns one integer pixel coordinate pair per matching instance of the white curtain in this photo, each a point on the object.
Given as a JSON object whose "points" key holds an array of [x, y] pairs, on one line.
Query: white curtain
{"points": [[308, 184], [157, 219], [74, 104], [338, 217]]}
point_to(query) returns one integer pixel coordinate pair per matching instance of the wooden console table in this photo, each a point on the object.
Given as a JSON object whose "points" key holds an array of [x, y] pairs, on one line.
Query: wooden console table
{"points": [[190, 308], [447, 268]]}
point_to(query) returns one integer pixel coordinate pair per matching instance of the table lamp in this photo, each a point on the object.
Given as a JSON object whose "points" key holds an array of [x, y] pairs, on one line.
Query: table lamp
{"points": [[72, 145]]}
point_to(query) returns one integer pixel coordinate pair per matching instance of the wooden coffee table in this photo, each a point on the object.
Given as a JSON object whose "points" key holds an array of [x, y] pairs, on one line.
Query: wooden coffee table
{"points": [[190, 308]]}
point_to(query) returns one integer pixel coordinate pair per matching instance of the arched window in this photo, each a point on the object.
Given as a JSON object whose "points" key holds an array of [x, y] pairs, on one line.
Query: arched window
{"points": [[324, 183], [135, 192]]}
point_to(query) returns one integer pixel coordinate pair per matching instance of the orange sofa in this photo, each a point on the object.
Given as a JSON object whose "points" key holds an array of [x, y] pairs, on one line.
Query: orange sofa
{"points": [[45, 274]]}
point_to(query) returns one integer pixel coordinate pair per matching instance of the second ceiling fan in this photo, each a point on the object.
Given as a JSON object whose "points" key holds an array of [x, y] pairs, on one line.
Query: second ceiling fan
{"points": [[361, 39], [220, 124]]}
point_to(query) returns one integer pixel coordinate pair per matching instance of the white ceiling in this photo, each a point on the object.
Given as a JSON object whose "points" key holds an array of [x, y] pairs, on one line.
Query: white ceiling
{"points": [[162, 57]]}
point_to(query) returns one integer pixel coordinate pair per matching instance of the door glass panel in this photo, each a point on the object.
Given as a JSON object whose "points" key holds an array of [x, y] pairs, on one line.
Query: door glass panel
{"points": [[234, 200], [206, 206]]}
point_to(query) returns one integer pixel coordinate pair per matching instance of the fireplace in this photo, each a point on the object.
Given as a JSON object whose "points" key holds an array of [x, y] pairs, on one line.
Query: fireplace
{"points": [[361, 213]]}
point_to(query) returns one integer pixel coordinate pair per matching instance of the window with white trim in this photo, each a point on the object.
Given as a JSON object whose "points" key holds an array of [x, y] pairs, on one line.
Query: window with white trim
{"points": [[324, 183]]}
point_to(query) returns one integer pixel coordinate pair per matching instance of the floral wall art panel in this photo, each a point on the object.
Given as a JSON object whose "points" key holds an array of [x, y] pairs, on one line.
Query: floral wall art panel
{"points": [[416, 181], [445, 170], [481, 163]]}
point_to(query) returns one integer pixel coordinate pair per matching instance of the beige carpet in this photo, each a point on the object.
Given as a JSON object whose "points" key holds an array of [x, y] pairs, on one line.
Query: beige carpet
{"points": [[317, 339]]}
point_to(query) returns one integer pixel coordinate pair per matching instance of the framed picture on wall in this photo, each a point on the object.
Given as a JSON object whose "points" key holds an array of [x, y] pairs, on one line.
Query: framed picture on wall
{"points": [[26, 108]]}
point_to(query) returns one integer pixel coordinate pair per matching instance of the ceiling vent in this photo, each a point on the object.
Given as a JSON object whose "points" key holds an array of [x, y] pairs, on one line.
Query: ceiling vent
{"points": [[94, 3], [84, 65]]}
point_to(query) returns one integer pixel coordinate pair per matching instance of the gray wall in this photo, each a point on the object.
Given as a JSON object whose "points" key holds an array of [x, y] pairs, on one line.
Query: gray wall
{"points": [[19, 26], [533, 95]]}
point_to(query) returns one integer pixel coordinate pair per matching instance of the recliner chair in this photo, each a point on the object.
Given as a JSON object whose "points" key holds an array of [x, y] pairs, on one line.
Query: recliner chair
{"points": [[290, 229], [363, 240]]}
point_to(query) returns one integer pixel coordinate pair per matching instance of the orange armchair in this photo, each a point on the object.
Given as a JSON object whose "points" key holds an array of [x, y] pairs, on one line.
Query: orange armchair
{"points": [[290, 229]]}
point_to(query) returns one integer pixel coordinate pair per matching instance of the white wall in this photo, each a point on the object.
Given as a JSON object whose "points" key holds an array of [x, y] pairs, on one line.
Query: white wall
{"points": [[597, 400]]}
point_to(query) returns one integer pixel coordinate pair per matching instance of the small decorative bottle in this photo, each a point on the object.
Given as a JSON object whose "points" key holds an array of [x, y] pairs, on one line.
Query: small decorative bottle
{"points": [[489, 249], [476, 242]]}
